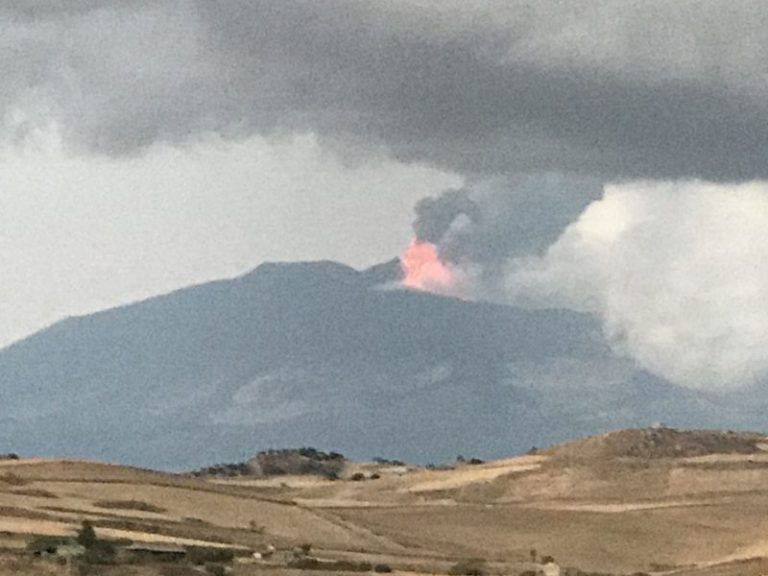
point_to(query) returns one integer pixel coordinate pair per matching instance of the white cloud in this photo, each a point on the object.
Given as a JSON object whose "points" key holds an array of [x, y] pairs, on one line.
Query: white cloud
{"points": [[677, 271]]}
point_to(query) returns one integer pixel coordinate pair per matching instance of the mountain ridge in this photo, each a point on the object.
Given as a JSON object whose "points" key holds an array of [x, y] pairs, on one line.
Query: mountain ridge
{"points": [[316, 354]]}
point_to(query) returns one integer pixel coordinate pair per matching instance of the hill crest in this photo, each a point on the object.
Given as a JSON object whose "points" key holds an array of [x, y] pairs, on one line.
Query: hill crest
{"points": [[659, 442]]}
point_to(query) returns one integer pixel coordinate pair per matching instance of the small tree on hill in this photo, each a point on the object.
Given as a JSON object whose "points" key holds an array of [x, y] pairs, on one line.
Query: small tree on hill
{"points": [[86, 536]]}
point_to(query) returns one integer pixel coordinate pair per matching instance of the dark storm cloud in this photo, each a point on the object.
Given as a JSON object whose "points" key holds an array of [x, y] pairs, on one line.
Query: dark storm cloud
{"points": [[658, 89]]}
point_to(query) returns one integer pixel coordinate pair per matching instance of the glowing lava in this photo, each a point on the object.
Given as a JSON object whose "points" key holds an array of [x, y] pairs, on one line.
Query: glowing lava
{"points": [[422, 268]]}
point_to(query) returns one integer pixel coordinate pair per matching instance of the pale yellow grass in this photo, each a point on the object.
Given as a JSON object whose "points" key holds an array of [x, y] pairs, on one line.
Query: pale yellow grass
{"points": [[697, 481], [278, 520], [274, 482], [59, 469], [160, 538], [614, 508], [436, 480], [754, 550], [78, 506], [619, 515], [54, 528], [338, 502], [33, 526], [619, 542], [26, 461], [727, 458]]}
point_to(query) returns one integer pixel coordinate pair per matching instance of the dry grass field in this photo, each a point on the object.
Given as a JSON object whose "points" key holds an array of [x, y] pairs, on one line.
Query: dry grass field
{"points": [[651, 501]]}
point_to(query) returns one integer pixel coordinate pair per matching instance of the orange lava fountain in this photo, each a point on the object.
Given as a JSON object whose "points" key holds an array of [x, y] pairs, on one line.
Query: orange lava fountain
{"points": [[422, 268]]}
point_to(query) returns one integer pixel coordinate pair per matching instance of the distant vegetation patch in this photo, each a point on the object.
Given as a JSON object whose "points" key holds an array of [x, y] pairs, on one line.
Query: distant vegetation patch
{"points": [[330, 566], [129, 505], [299, 461], [202, 555], [227, 470], [294, 461], [660, 442], [178, 570], [472, 461], [388, 462], [41, 543]]}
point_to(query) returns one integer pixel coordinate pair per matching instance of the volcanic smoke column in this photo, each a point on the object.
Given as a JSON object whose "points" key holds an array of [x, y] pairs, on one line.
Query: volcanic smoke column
{"points": [[436, 218]]}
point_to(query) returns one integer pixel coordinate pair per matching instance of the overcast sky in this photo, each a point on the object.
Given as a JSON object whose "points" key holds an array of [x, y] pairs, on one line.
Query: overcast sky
{"points": [[147, 145]]}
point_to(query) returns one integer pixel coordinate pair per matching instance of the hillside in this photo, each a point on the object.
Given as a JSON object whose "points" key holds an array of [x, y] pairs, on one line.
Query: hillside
{"points": [[621, 508], [319, 354], [693, 512], [659, 442], [617, 466]]}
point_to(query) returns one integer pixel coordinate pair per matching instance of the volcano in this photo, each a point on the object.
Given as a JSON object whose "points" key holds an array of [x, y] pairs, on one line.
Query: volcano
{"points": [[295, 354]]}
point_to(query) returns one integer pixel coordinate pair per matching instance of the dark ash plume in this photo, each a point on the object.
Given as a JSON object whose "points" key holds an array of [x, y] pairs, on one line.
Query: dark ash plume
{"points": [[435, 215], [483, 229]]}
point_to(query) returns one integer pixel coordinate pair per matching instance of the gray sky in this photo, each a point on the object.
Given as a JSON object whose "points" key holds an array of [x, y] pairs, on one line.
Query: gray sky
{"points": [[81, 233], [149, 145]]}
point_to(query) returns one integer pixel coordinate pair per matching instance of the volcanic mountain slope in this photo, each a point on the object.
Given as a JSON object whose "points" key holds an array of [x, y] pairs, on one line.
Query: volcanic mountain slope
{"points": [[323, 355]]}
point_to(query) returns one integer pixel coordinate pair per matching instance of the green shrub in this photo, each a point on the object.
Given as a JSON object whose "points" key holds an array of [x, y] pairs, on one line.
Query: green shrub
{"points": [[297, 461], [99, 553], [87, 535], [43, 543], [382, 568], [388, 462], [215, 569], [84, 569], [202, 555], [178, 570], [305, 564], [337, 566]]}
